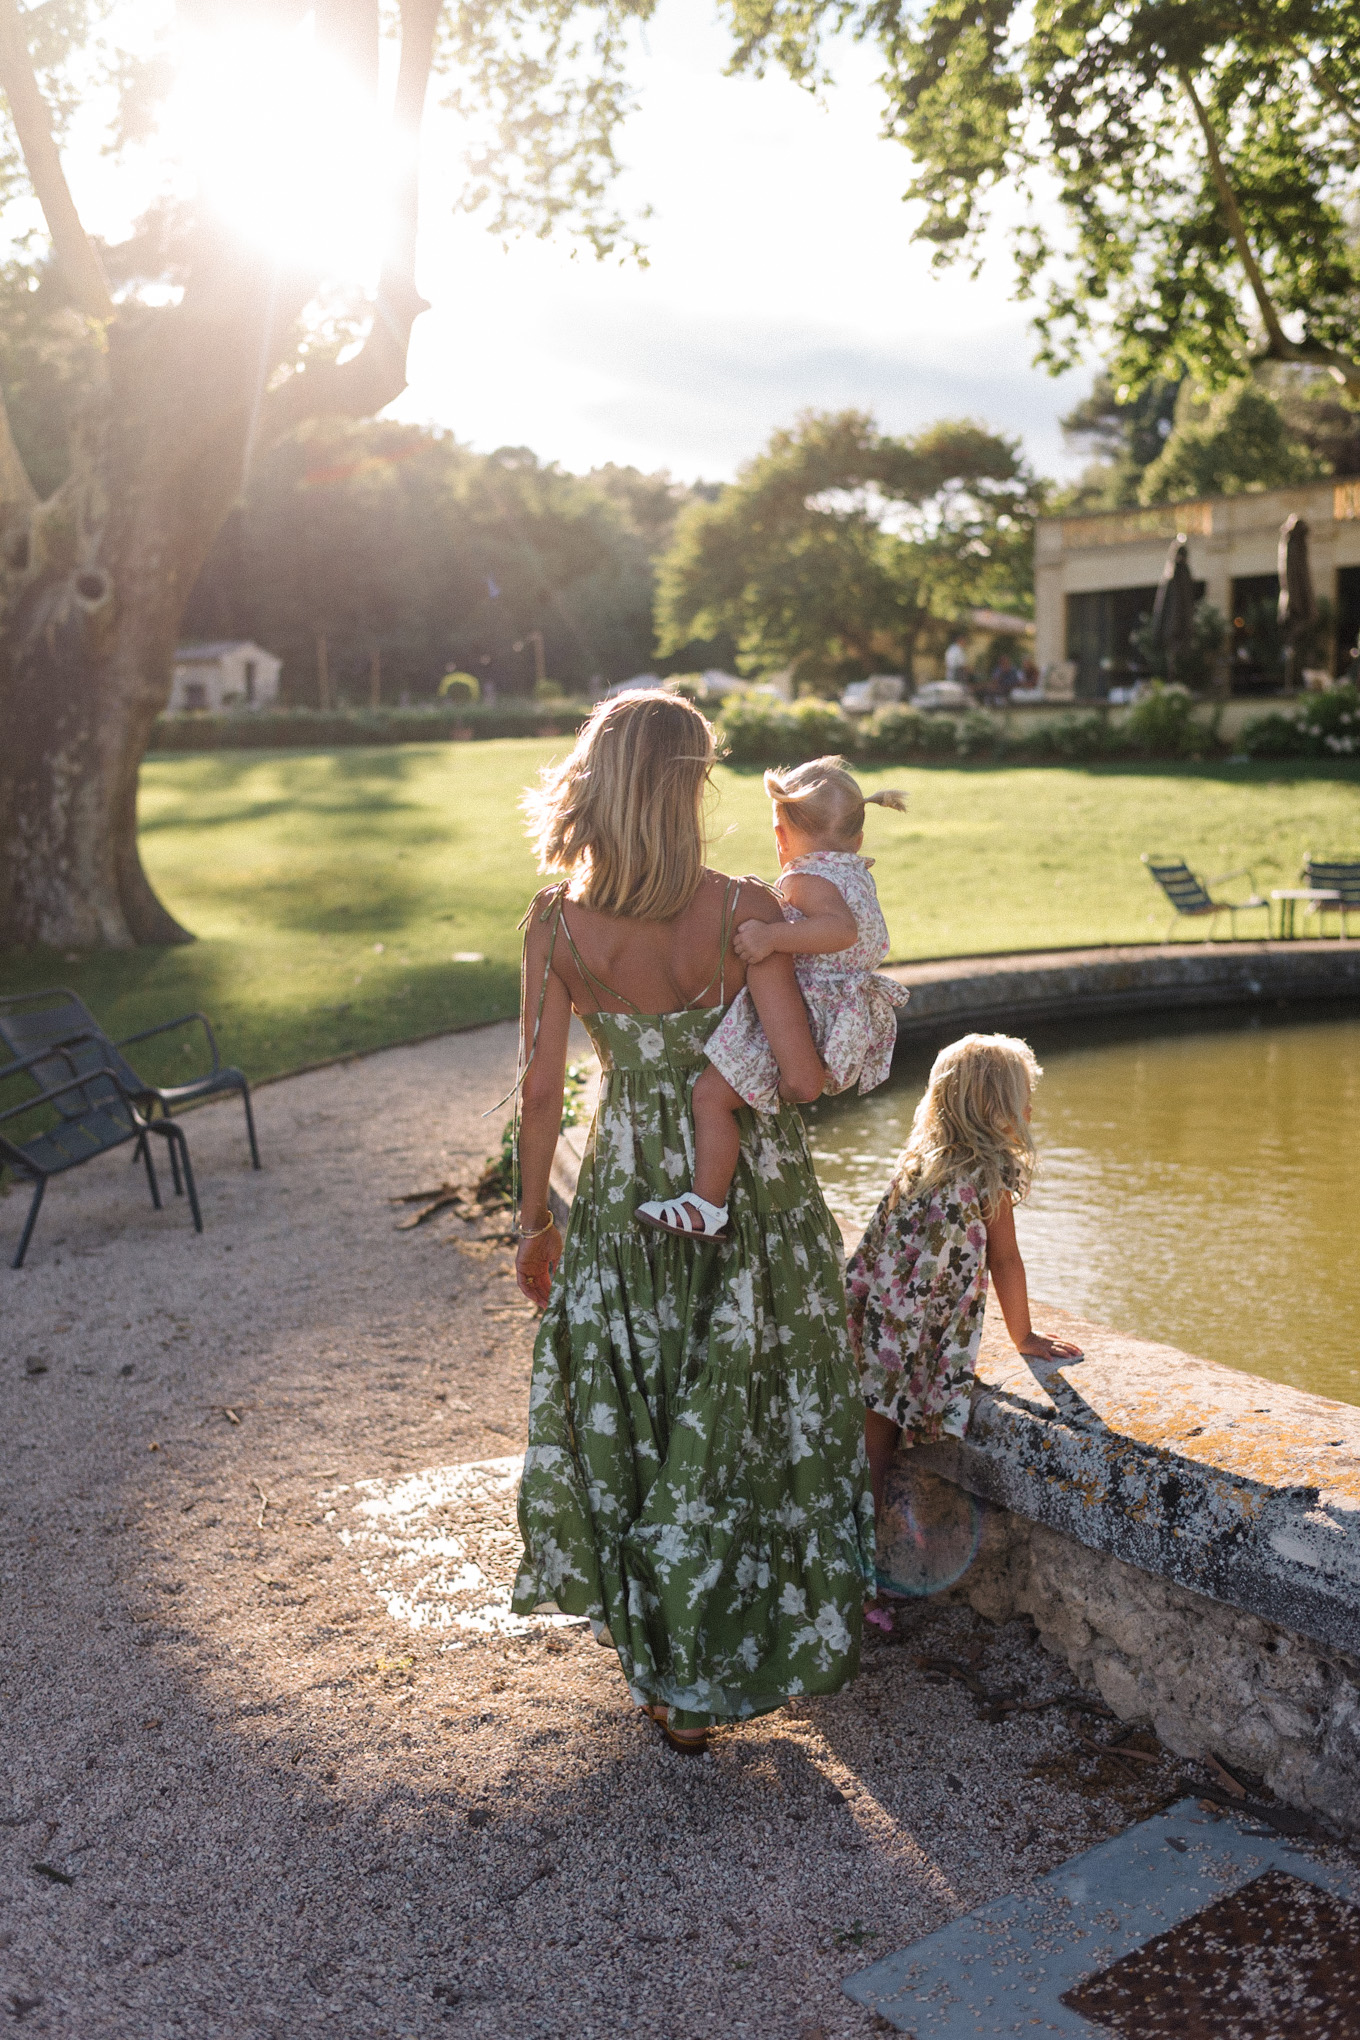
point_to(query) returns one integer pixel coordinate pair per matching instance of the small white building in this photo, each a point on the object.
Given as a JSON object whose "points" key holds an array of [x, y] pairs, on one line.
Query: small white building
{"points": [[233, 673], [1096, 576]]}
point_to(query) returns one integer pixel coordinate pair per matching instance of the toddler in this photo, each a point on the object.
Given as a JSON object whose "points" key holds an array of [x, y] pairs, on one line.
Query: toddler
{"points": [[917, 1281], [833, 926]]}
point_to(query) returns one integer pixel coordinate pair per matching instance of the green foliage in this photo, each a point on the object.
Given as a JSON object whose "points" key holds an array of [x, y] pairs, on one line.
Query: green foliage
{"points": [[458, 687], [758, 729], [1199, 663], [1224, 444], [1143, 247], [1069, 739], [836, 546], [1163, 725], [395, 537], [1328, 726], [291, 729]]}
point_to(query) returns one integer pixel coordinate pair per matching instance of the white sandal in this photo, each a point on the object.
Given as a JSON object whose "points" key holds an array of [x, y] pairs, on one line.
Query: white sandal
{"points": [[675, 1215]]}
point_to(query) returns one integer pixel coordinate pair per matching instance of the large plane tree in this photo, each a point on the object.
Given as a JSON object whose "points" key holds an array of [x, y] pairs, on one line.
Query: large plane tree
{"points": [[1179, 178], [175, 352]]}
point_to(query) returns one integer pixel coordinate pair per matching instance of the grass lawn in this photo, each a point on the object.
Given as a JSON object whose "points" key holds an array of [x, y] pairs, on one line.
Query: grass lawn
{"points": [[333, 891]]}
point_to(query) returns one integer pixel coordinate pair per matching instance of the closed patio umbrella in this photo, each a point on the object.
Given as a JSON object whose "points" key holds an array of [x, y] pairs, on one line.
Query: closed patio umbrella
{"points": [[1173, 612], [1298, 603]]}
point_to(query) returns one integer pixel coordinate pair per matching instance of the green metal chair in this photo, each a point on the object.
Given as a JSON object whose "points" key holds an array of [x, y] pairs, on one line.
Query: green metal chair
{"points": [[1191, 898], [32, 1021], [1340, 875], [67, 1116]]}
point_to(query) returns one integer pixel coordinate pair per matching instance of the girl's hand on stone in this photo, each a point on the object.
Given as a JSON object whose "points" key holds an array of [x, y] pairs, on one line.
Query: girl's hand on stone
{"points": [[536, 1260], [754, 940], [1038, 1346]]}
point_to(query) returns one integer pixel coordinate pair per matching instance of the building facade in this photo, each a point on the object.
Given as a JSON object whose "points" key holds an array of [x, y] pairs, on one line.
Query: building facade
{"points": [[233, 673], [1096, 578]]}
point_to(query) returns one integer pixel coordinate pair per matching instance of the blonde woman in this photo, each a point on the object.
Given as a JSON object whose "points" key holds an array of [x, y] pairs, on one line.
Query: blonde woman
{"points": [[917, 1281], [694, 1475]]}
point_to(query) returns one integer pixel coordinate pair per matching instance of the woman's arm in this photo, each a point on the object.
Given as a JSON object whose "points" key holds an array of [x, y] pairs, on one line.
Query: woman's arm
{"points": [[779, 1004], [540, 1110], [1012, 1291], [827, 924]]}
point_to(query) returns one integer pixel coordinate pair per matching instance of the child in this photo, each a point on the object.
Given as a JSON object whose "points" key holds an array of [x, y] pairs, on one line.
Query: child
{"points": [[834, 927], [918, 1279]]}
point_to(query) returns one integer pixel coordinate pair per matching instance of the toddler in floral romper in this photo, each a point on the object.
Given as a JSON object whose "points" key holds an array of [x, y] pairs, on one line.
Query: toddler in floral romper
{"points": [[834, 928]]}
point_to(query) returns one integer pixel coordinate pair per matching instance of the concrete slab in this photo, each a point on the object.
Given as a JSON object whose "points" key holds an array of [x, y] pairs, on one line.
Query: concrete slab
{"points": [[1002, 1969]]}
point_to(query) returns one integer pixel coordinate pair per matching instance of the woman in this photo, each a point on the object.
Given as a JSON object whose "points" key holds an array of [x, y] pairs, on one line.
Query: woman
{"points": [[694, 1476]]}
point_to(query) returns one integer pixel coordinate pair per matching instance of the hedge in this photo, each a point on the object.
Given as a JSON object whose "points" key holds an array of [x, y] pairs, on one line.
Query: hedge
{"points": [[274, 729], [759, 729]]}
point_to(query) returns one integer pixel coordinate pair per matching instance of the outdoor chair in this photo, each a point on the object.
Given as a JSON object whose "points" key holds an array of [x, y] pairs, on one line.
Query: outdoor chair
{"points": [[32, 1021], [87, 1113], [1190, 896], [1334, 874]]}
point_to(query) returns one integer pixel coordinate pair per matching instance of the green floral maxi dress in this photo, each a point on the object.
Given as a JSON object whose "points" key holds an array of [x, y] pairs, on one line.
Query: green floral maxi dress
{"points": [[694, 1479]]}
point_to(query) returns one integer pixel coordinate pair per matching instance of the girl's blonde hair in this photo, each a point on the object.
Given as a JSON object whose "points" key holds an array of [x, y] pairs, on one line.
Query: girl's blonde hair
{"points": [[971, 1122], [622, 817], [821, 799]]}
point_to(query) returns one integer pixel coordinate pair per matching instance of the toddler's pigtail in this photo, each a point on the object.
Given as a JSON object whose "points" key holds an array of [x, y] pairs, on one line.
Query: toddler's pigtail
{"points": [[891, 796]]}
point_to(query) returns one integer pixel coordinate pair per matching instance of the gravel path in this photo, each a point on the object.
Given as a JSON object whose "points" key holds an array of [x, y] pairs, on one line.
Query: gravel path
{"points": [[275, 1761]]}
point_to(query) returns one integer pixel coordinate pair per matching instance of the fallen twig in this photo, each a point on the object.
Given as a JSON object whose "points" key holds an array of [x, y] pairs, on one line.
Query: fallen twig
{"points": [[543, 1870], [264, 1504], [1224, 1776], [1285, 1820], [1009, 1703]]}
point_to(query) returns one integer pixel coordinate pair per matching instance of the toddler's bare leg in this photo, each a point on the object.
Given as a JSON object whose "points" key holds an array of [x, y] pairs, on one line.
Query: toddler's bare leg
{"points": [[717, 1141], [881, 1438]]}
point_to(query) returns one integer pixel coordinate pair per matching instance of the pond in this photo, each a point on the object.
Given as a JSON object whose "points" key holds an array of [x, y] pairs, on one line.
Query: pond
{"points": [[1199, 1183]]}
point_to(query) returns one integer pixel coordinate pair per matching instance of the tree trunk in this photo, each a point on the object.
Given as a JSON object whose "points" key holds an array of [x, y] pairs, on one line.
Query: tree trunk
{"points": [[93, 584]]}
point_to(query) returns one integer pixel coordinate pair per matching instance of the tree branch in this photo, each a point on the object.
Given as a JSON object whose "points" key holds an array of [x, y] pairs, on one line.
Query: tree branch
{"points": [[1310, 353], [377, 373], [1237, 227], [1335, 96], [18, 497], [75, 252]]}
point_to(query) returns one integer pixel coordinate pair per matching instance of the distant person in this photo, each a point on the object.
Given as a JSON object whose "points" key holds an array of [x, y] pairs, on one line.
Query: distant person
{"points": [[1005, 675], [917, 1281], [694, 1479], [833, 927], [956, 661]]}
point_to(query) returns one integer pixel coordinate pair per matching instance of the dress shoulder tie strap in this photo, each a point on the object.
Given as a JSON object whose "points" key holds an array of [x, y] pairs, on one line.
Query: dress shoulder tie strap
{"points": [[729, 914], [589, 978]]}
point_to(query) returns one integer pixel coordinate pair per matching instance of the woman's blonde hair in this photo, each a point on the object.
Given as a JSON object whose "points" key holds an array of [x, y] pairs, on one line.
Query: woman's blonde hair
{"points": [[822, 799], [623, 816], [971, 1122]]}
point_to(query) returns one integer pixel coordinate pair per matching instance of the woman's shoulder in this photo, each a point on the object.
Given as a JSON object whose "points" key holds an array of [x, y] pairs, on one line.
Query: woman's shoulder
{"points": [[752, 899]]}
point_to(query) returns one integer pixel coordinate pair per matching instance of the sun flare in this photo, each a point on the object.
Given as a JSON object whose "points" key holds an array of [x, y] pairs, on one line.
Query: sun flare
{"points": [[283, 143]]}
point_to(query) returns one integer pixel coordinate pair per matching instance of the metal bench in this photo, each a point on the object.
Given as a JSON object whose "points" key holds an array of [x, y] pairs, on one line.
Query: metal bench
{"points": [[1191, 897], [86, 1112], [32, 1021]]}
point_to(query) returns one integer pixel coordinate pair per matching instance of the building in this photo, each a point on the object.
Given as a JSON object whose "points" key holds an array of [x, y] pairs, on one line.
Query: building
{"points": [[1096, 577], [231, 674]]}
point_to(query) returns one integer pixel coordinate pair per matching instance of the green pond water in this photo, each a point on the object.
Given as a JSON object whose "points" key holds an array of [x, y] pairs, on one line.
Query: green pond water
{"points": [[1199, 1183]]}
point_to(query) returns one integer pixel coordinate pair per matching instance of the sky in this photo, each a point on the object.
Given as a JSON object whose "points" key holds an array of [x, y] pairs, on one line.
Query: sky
{"points": [[782, 276], [782, 273]]}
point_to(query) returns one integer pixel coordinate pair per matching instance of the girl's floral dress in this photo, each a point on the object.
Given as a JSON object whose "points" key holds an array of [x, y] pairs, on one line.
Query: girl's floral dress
{"points": [[917, 1284], [694, 1480], [852, 1010]]}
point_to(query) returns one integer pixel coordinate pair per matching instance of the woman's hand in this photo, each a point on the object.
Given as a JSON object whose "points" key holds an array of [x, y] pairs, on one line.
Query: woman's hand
{"points": [[1038, 1346], [754, 940], [536, 1260]]}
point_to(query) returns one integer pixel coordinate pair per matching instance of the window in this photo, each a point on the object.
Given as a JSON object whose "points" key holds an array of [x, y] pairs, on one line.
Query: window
{"points": [[250, 679], [195, 694]]}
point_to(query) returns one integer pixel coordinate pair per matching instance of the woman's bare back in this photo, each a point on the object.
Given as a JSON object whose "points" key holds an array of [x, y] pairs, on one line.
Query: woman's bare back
{"points": [[661, 966]]}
